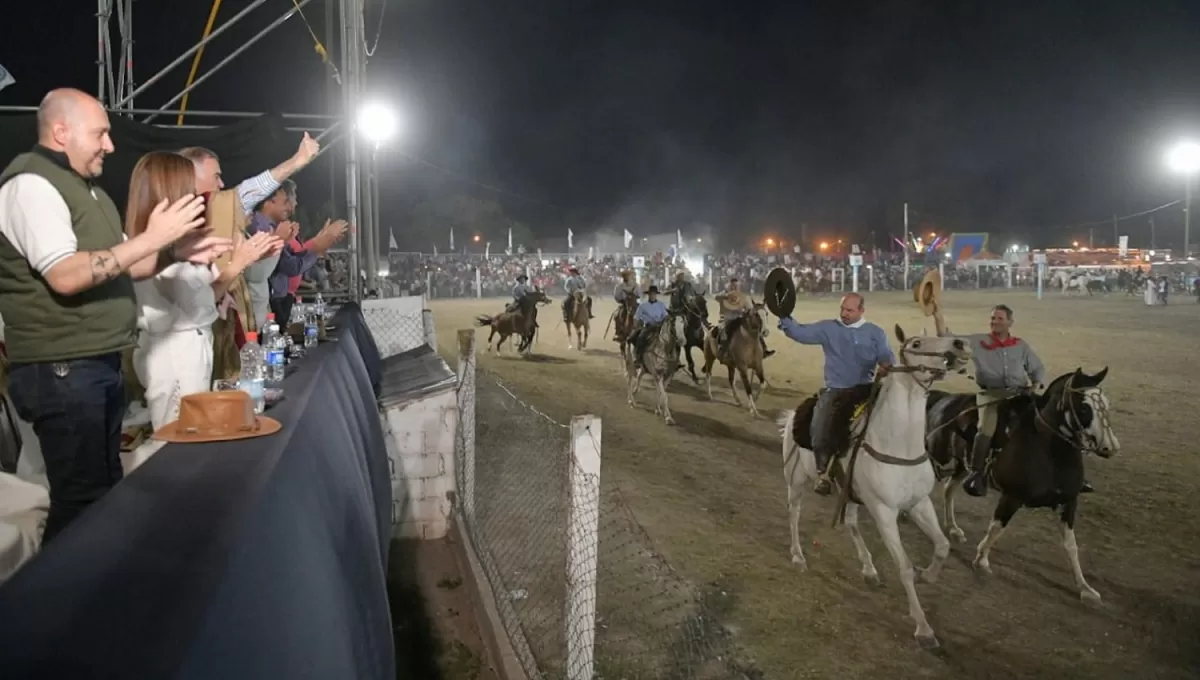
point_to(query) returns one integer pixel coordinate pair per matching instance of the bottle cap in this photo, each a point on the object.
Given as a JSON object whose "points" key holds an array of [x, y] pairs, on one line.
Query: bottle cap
{"points": [[252, 336]]}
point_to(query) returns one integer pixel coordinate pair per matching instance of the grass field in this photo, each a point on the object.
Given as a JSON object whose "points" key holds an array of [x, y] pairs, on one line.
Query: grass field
{"points": [[710, 493]]}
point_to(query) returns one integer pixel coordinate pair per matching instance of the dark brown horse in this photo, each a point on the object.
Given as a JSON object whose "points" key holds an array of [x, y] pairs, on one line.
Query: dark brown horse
{"points": [[1038, 462], [521, 323]]}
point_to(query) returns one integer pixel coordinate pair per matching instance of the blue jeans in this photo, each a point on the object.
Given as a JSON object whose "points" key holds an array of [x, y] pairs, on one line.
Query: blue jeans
{"points": [[76, 408], [822, 421]]}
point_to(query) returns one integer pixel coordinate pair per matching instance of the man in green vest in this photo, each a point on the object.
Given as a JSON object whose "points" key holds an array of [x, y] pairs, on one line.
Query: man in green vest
{"points": [[66, 295]]}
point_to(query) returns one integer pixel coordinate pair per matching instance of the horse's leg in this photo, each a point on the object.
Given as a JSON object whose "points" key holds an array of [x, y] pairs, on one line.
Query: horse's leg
{"points": [[797, 479], [637, 385], [661, 383], [762, 381], [1005, 509], [708, 366], [749, 389], [869, 573], [925, 516], [733, 389], [949, 521], [885, 519], [1086, 592], [687, 351]]}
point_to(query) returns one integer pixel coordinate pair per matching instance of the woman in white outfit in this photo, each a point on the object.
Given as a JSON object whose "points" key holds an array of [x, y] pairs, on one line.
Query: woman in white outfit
{"points": [[177, 307]]}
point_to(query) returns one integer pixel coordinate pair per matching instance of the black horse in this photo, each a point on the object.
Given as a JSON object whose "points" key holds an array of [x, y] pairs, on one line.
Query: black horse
{"points": [[1040, 442], [694, 309]]}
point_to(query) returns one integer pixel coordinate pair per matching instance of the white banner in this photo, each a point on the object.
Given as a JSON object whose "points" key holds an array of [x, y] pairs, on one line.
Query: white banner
{"points": [[1124, 246], [628, 238], [570, 239]]}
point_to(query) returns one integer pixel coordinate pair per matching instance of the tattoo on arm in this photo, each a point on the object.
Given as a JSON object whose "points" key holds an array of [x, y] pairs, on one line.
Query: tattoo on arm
{"points": [[104, 266]]}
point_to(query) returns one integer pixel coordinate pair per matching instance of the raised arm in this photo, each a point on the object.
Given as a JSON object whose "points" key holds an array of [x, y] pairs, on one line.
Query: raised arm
{"points": [[939, 321], [40, 229], [254, 190], [805, 334]]}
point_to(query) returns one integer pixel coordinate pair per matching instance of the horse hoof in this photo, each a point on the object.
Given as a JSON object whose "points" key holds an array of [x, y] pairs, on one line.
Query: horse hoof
{"points": [[873, 580], [958, 535], [1090, 597], [927, 642], [670, 421], [799, 561], [982, 567], [926, 575]]}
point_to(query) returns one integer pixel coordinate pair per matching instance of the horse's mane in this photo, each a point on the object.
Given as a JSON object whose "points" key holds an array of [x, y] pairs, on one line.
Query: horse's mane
{"points": [[1055, 388]]}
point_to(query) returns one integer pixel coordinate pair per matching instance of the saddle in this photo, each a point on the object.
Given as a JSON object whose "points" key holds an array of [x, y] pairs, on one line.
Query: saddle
{"points": [[848, 405]]}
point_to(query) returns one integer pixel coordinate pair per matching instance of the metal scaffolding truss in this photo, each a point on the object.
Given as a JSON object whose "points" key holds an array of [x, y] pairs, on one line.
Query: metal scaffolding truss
{"points": [[117, 89]]}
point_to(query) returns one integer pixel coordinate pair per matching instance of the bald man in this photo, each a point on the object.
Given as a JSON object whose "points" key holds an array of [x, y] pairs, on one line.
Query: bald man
{"points": [[854, 348], [66, 295]]}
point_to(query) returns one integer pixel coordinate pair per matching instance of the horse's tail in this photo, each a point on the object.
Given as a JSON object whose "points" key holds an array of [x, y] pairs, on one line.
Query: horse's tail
{"points": [[786, 421], [483, 320]]}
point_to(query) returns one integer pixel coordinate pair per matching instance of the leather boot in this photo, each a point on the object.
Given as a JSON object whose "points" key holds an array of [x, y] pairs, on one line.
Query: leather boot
{"points": [[766, 352], [589, 306], [1087, 487], [976, 483], [823, 487]]}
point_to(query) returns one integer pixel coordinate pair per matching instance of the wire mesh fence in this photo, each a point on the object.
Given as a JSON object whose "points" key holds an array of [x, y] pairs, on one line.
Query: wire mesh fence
{"points": [[580, 589], [397, 324]]}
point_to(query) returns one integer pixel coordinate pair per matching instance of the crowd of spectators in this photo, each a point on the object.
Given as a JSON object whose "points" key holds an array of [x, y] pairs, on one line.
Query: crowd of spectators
{"points": [[454, 275]]}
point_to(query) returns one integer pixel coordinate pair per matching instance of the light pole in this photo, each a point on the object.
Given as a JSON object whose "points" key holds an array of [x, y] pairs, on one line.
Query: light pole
{"points": [[1184, 158], [377, 124]]}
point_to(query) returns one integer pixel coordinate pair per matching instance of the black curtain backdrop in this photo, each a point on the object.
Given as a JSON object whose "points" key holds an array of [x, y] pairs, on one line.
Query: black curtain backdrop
{"points": [[246, 147]]}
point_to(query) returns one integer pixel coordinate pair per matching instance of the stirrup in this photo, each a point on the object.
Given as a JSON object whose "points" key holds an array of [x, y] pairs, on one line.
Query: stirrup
{"points": [[824, 484]]}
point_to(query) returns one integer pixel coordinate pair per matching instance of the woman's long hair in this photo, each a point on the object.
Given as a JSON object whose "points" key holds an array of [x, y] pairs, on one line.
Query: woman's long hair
{"points": [[157, 175]]}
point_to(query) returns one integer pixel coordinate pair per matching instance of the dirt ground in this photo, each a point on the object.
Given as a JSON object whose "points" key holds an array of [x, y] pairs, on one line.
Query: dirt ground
{"points": [[433, 616], [710, 494]]}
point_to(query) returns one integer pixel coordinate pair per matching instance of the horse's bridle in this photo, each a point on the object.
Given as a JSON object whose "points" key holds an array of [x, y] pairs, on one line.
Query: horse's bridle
{"points": [[936, 374], [1072, 430]]}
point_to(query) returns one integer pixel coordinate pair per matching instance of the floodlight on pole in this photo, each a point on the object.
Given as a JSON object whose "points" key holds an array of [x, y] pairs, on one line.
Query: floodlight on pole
{"points": [[1184, 158], [377, 122]]}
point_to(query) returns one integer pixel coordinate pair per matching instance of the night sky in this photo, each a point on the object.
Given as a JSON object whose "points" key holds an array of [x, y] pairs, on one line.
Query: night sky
{"points": [[753, 117]]}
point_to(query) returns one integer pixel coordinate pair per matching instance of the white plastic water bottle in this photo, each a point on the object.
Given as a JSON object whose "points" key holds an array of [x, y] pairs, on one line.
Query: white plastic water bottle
{"points": [[251, 381], [320, 307], [273, 345]]}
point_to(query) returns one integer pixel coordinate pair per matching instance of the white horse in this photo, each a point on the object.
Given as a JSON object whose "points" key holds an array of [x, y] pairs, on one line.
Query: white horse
{"points": [[661, 359], [892, 472]]}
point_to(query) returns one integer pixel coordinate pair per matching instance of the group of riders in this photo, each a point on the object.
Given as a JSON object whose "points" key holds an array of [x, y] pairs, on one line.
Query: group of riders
{"points": [[856, 352], [649, 314]]}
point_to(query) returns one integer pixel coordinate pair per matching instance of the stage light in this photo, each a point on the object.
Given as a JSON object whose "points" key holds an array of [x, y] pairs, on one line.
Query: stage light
{"points": [[1184, 157], [377, 122]]}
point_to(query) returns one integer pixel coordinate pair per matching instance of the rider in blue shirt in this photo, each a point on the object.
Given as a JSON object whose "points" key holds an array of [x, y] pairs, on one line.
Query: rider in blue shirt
{"points": [[853, 349], [649, 316]]}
